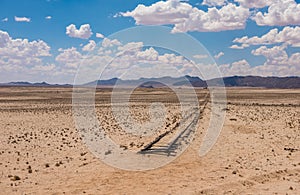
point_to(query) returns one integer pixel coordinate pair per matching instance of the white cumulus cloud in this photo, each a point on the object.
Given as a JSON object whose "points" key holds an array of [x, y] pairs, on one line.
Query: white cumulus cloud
{"points": [[239, 46], [69, 57], [280, 13], [90, 46], [22, 51], [214, 2], [149, 54], [22, 19], [110, 42], [241, 68], [219, 55], [48, 67], [22, 59], [290, 67], [84, 32], [255, 3], [288, 35], [99, 35], [275, 55], [186, 18]]}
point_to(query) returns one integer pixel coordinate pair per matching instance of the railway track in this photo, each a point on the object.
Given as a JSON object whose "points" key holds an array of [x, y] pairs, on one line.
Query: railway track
{"points": [[183, 136]]}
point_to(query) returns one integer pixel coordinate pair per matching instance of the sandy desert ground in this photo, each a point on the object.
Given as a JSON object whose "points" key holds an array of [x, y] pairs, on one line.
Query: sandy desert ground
{"points": [[257, 152]]}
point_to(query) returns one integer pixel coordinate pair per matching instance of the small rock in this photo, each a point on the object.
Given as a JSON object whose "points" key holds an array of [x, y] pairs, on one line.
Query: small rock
{"points": [[15, 178], [107, 152]]}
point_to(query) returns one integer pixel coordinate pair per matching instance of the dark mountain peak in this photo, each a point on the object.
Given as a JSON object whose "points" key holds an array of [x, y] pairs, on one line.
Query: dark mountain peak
{"points": [[25, 83], [38, 84], [111, 81], [152, 84], [190, 81], [41, 84], [19, 83], [258, 81]]}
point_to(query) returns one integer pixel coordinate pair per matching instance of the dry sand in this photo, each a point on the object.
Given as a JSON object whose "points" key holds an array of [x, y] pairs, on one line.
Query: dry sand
{"points": [[258, 151]]}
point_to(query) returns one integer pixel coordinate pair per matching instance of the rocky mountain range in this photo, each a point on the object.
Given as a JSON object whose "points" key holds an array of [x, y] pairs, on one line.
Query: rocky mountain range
{"points": [[233, 81]]}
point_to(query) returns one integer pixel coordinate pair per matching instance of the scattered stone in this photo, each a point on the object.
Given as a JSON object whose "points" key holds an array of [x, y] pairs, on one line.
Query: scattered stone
{"points": [[15, 178], [107, 152], [124, 147], [29, 169], [291, 149]]}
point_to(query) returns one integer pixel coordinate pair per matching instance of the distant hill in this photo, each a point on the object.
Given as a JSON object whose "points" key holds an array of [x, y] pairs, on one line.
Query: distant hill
{"points": [[233, 81], [188, 80], [28, 84], [257, 81], [151, 82]]}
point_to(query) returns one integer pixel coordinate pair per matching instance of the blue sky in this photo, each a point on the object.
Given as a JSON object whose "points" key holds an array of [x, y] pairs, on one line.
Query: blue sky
{"points": [[21, 19]]}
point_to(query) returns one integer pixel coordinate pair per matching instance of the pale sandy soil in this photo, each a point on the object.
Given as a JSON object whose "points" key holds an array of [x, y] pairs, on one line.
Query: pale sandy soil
{"points": [[258, 151]]}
